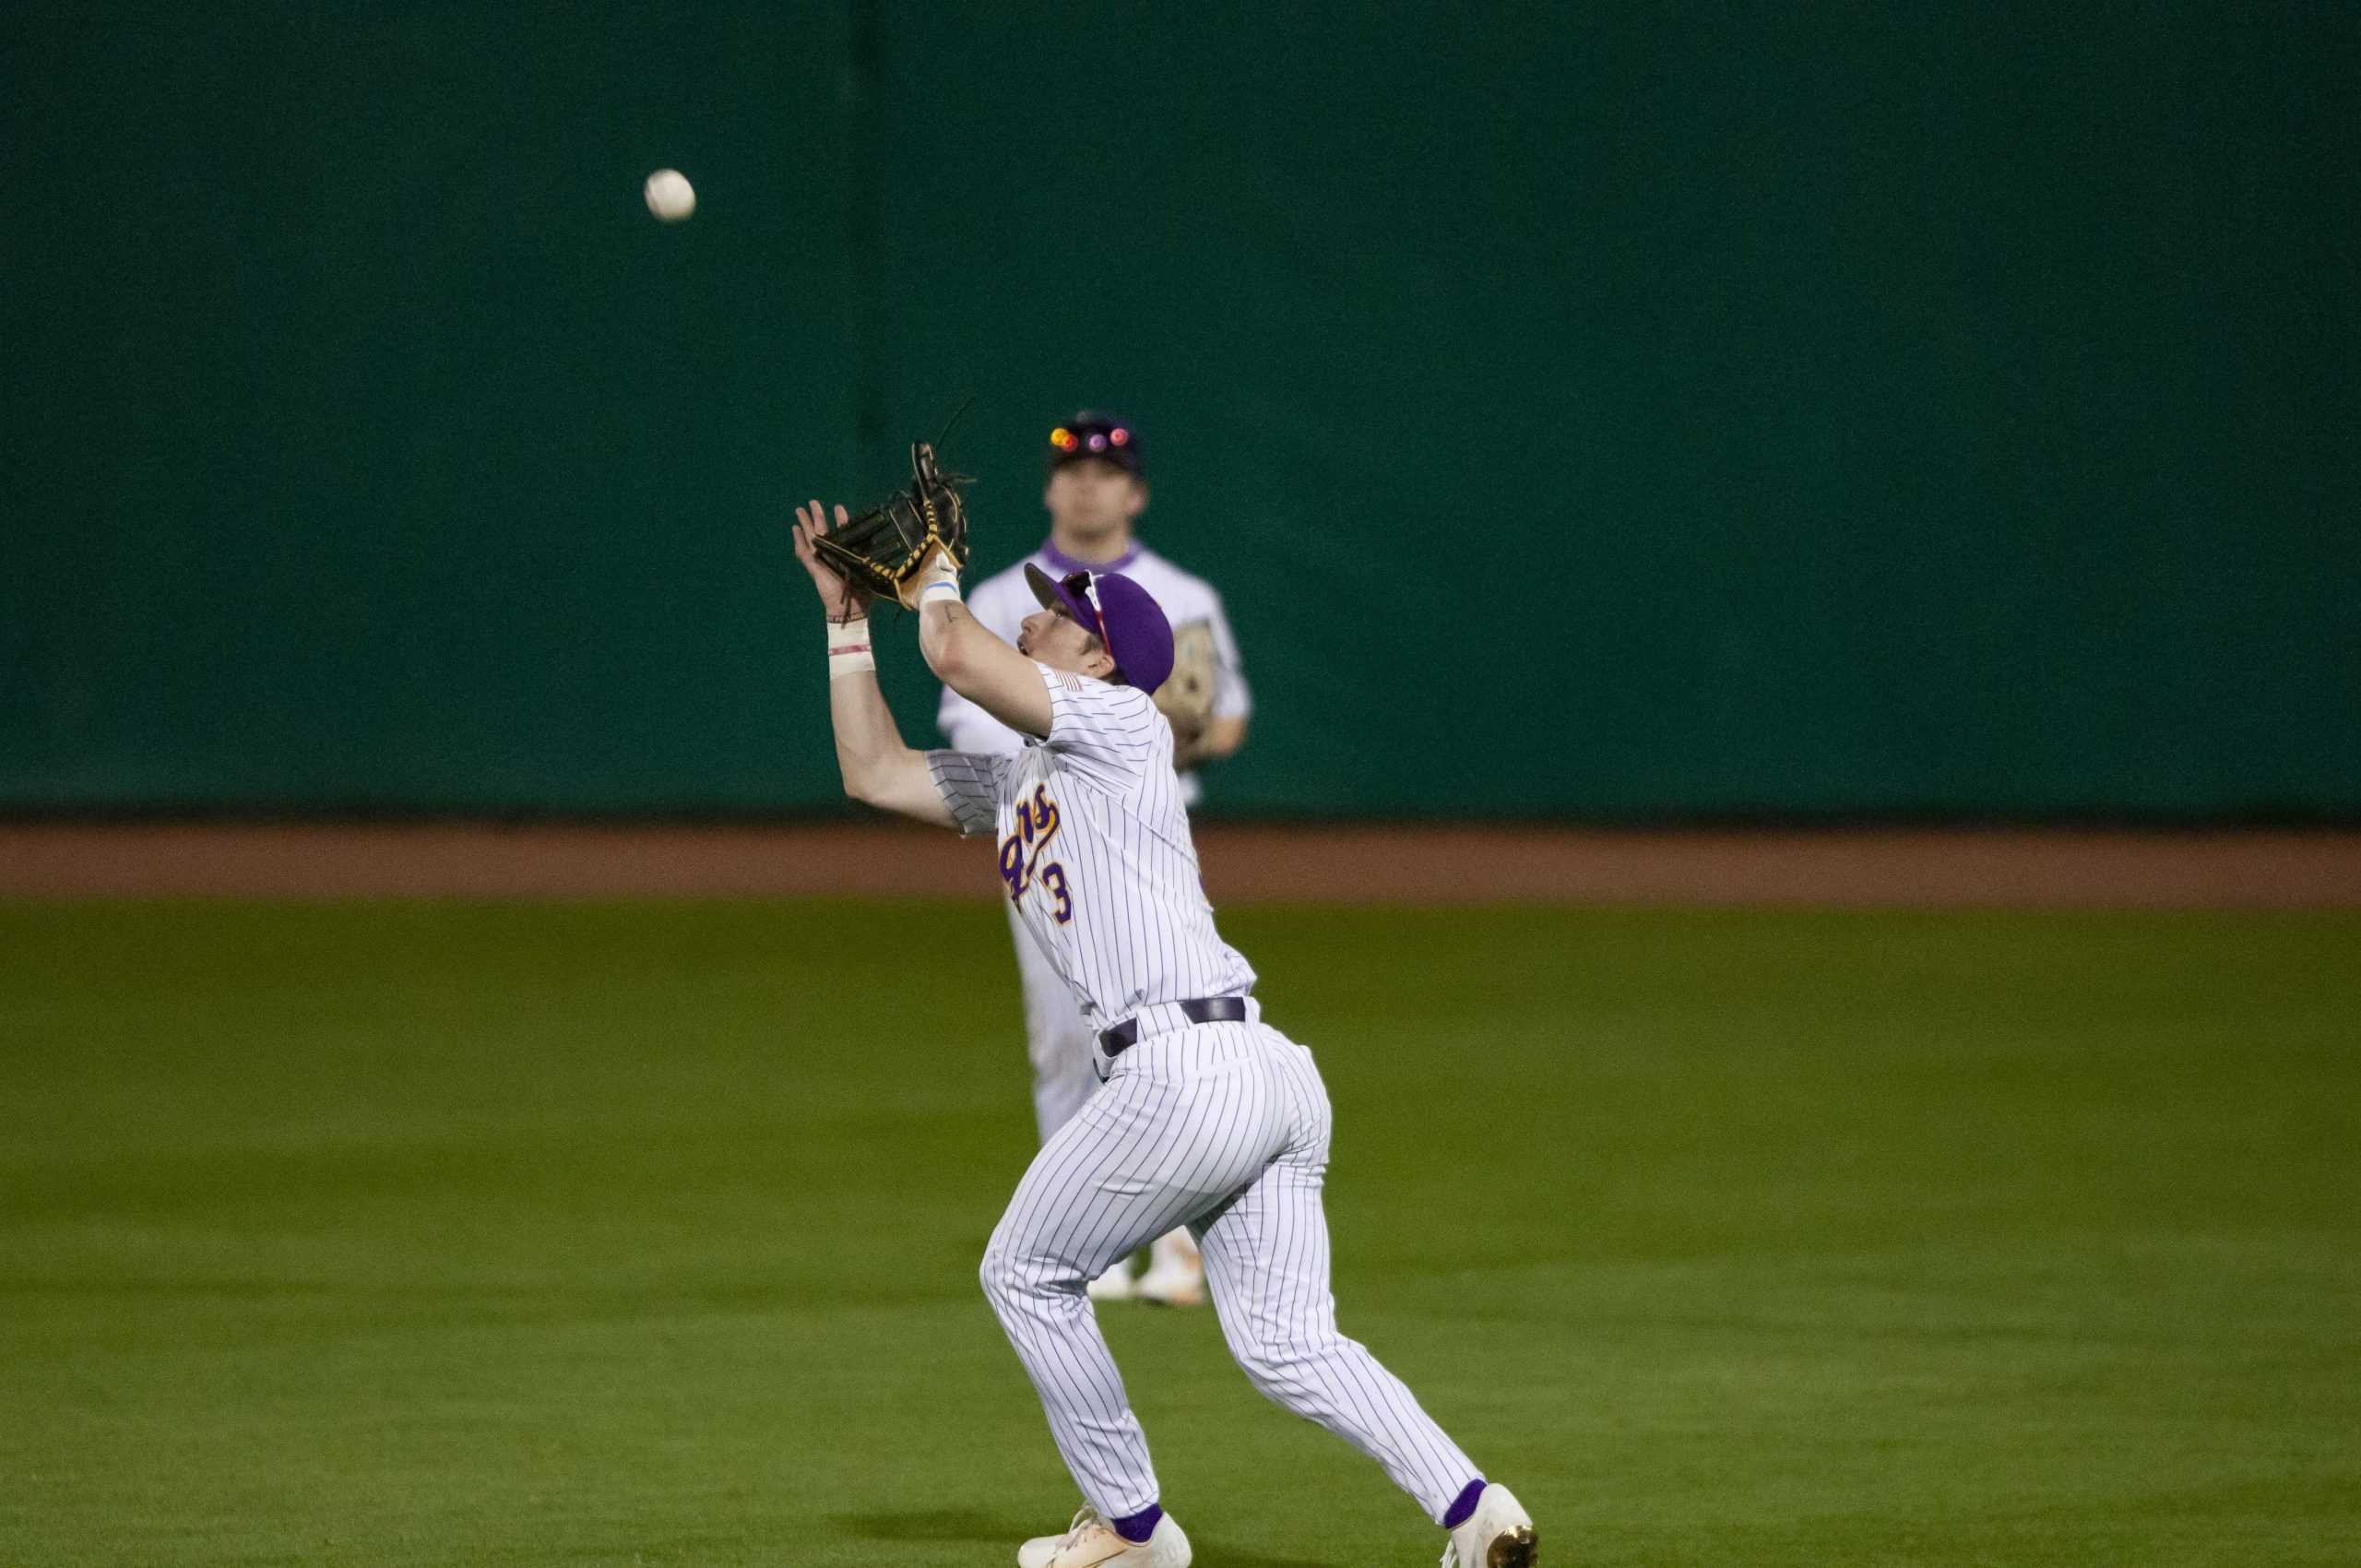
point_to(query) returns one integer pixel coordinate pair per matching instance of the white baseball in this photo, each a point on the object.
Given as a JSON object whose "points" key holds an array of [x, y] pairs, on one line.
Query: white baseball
{"points": [[669, 194]]}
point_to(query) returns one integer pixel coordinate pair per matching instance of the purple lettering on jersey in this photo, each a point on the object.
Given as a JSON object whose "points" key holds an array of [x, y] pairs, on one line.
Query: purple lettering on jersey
{"points": [[1020, 853]]}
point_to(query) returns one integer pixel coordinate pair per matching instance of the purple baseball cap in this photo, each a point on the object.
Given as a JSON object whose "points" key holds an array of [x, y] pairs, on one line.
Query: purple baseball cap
{"points": [[1122, 615]]}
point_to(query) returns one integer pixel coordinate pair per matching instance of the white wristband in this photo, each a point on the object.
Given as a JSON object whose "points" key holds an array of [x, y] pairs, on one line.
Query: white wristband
{"points": [[848, 651]]}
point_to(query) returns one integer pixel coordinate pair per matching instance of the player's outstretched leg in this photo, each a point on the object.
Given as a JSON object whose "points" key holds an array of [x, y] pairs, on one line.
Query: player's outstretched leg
{"points": [[1184, 1120], [1266, 1256]]}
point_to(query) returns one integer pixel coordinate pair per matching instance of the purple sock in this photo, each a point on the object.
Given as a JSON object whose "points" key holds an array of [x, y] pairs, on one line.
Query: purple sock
{"points": [[1141, 1525], [1462, 1507]]}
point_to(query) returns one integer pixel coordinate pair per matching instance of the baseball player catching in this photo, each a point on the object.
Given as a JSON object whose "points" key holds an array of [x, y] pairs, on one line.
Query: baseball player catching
{"points": [[1208, 1117], [1095, 493]]}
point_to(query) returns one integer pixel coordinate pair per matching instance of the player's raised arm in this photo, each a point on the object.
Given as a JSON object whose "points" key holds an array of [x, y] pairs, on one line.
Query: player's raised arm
{"points": [[966, 657], [878, 769]]}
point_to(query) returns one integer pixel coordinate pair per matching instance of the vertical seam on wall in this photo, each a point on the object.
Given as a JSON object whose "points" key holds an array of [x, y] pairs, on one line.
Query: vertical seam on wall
{"points": [[865, 232]]}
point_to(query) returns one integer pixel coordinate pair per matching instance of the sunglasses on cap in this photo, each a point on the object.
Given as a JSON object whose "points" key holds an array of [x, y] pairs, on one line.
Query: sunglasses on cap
{"points": [[1083, 592], [1069, 443]]}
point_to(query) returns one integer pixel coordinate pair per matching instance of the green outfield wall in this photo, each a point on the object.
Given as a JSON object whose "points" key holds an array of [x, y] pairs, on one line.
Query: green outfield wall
{"points": [[1615, 413]]}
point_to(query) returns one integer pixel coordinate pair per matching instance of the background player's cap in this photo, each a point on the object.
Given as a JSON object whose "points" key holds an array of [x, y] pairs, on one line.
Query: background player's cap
{"points": [[1091, 434], [1122, 615]]}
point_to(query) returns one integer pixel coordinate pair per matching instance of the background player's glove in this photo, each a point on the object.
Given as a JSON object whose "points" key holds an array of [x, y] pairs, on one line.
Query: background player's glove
{"points": [[885, 550], [1187, 694]]}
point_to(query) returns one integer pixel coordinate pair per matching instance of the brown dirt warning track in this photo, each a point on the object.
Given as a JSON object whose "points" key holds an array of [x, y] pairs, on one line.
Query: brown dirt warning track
{"points": [[1243, 863]]}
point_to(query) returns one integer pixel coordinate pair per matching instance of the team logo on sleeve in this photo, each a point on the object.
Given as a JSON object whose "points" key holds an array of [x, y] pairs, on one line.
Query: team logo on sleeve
{"points": [[1021, 862]]}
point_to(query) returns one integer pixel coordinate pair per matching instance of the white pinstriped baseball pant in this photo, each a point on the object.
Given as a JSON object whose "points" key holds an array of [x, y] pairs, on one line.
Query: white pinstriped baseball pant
{"points": [[1224, 1127]]}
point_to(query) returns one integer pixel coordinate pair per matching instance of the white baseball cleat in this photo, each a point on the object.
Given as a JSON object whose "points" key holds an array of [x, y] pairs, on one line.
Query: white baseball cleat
{"points": [[1091, 1542], [1115, 1285], [1497, 1535], [1175, 1273]]}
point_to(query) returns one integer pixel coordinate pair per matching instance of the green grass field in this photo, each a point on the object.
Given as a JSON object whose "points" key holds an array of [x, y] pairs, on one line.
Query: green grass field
{"points": [[491, 1234]]}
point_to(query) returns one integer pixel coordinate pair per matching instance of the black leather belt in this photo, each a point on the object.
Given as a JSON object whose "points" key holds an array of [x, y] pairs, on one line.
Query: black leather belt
{"points": [[1197, 1010]]}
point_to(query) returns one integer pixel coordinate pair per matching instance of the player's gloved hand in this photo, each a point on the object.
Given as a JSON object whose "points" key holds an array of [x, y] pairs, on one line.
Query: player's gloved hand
{"points": [[843, 601], [887, 549]]}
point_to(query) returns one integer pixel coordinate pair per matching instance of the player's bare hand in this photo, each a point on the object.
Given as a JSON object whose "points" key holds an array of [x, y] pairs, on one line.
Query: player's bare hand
{"points": [[840, 599]]}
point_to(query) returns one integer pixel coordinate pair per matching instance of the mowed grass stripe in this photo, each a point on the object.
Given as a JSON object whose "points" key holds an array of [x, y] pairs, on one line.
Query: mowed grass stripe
{"points": [[646, 1233]]}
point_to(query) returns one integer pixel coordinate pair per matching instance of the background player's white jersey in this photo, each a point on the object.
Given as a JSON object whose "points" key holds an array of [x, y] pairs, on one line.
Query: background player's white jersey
{"points": [[1095, 851], [1002, 602]]}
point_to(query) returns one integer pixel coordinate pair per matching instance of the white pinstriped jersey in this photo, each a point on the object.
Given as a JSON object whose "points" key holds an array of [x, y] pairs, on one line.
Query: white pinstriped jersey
{"points": [[1095, 851]]}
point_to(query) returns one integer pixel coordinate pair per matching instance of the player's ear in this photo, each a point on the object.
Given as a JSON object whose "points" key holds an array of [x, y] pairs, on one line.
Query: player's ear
{"points": [[1137, 503], [1095, 663]]}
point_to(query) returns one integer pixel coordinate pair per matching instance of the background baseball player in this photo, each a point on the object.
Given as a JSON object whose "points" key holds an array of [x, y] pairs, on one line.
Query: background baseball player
{"points": [[1208, 1117], [1096, 492]]}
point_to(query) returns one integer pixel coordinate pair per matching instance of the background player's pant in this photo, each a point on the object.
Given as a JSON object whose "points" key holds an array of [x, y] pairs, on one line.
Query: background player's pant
{"points": [[1056, 1037], [1225, 1127]]}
